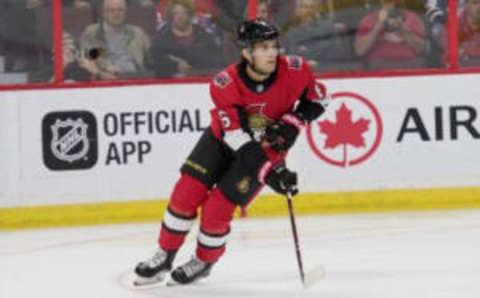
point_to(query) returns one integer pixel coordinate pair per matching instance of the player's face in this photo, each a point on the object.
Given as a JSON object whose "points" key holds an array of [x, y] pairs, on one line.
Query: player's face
{"points": [[264, 55]]}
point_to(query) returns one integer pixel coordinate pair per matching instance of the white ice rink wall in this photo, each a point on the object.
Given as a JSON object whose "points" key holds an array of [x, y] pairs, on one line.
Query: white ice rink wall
{"points": [[119, 144]]}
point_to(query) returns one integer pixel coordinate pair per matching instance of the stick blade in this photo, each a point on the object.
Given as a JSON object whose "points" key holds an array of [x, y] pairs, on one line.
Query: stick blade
{"points": [[313, 276]]}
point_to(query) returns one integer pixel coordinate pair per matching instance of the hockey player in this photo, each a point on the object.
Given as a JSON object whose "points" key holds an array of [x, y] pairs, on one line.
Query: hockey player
{"points": [[261, 105]]}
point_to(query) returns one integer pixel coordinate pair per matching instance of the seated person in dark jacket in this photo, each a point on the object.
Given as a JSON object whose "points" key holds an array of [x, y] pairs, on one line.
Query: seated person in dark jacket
{"points": [[25, 47], [181, 48]]}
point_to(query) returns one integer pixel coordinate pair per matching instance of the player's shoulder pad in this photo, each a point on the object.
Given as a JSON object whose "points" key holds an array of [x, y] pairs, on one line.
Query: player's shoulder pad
{"points": [[222, 79], [294, 62]]}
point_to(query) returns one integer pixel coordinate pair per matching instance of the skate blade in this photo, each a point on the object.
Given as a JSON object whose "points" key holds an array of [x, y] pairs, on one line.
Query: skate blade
{"points": [[143, 282], [172, 283]]}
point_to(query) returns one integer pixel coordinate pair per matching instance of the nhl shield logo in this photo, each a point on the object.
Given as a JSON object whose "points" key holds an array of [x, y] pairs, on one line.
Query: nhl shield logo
{"points": [[69, 140], [75, 135]]}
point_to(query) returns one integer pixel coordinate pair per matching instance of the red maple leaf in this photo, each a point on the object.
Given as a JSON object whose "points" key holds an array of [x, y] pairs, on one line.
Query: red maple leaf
{"points": [[344, 130]]}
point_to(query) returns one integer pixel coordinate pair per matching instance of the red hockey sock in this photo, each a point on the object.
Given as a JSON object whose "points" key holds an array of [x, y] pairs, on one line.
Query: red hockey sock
{"points": [[217, 213], [181, 213]]}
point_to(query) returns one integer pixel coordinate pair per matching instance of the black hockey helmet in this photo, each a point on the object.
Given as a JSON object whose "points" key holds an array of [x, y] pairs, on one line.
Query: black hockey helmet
{"points": [[250, 32]]}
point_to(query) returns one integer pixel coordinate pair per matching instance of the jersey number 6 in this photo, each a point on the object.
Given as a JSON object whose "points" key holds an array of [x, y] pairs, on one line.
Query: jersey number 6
{"points": [[224, 118]]}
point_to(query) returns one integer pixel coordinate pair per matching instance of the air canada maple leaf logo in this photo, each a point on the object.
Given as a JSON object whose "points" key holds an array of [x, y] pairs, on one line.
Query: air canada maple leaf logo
{"points": [[344, 131], [348, 133]]}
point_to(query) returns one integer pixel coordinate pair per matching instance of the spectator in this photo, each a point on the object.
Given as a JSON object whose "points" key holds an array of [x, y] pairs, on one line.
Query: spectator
{"points": [[143, 3], [77, 3], [436, 11], [469, 34], [77, 65], [281, 11], [391, 37], [81, 4], [97, 5], [124, 48], [263, 10], [25, 47], [275, 11], [182, 48], [34, 3], [5, 7], [230, 14], [314, 36], [349, 13], [204, 14], [435, 18]]}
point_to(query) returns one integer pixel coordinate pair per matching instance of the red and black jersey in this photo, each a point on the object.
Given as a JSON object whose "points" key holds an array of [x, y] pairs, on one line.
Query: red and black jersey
{"points": [[234, 95]]}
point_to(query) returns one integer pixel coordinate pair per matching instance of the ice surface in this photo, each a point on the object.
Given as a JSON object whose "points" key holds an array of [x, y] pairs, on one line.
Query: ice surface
{"points": [[407, 255]]}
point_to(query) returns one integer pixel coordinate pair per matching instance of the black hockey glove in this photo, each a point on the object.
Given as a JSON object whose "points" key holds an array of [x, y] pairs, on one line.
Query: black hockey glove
{"points": [[308, 110], [282, 180], [281, 135]]}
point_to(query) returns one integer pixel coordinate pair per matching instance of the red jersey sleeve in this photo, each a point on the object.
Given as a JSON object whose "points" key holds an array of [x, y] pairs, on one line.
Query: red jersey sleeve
{"points": [[308, 87], [316, 91], [310, 95], [302, 76]]}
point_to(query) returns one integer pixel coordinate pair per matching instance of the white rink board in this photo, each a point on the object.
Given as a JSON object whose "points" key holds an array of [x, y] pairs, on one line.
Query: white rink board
{"points": [[409, 163], [8, 150], [121, 179]]}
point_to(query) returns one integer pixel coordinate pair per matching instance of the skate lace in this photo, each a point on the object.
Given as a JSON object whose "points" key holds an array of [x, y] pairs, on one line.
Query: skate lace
{"points": [[157, 259], [193, 266]]}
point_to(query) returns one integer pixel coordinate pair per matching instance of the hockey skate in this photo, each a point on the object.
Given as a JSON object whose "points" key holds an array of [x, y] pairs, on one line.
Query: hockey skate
{"points": [[190, 272], [154, 269]]}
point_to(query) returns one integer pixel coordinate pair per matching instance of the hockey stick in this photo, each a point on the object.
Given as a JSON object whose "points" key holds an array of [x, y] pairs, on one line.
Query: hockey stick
{"points": [[295, 237], [316, 273]]}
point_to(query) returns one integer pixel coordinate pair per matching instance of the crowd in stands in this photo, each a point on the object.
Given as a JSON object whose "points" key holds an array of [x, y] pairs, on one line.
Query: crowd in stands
{"points": [[126, 39], [469, 34]]}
